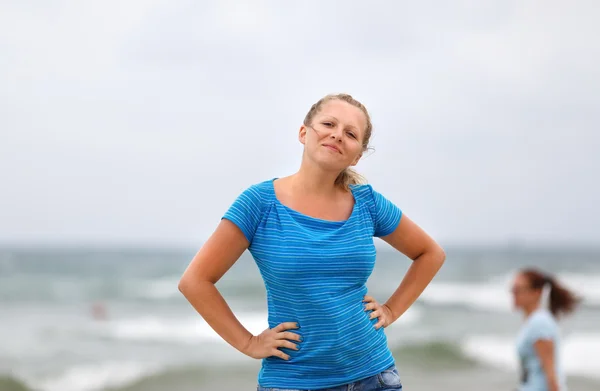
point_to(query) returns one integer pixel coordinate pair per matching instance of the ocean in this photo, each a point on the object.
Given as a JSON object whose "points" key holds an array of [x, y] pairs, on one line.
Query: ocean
{"points": [[90, 319]]}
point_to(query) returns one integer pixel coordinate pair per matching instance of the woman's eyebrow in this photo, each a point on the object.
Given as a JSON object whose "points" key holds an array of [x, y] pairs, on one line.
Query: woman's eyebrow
{"points": [[337, 120], [331, 117]]}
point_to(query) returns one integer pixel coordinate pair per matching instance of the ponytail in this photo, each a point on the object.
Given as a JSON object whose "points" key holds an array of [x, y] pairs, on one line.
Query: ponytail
{"points": [[349, 177], [562, 300]]}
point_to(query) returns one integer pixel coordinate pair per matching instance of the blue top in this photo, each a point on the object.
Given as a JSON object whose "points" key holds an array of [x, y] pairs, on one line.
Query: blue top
{"points": [[539, 325], [315, 273]]}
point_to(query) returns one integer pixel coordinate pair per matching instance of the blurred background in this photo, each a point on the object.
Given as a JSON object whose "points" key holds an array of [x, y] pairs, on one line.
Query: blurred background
{"points": [[127, 128]]}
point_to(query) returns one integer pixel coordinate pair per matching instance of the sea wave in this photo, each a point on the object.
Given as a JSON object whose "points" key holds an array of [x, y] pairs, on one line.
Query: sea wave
{"points": [[155, 289], [83, 377], [489, 295], [184, 330], [139, 376], [194, 329], [92, 377], [578, 355], [431, 355], [493, 295], [427, 355], [69, 289]]}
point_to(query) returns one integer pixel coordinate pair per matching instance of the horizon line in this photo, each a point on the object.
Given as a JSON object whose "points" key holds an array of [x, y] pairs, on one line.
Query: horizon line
{"points": [[379, 244]]}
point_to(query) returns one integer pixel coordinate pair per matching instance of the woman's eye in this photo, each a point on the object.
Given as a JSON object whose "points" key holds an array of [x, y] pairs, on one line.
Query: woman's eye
{"points": [[328, 124], [351, 135]]}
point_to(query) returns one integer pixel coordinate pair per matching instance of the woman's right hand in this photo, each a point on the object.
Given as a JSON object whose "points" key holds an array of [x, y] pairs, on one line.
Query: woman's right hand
{"points": [[268, 342]]}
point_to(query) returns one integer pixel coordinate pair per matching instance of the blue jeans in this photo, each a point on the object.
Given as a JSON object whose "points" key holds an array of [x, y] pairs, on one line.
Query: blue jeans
{"points": [[387, 380]]}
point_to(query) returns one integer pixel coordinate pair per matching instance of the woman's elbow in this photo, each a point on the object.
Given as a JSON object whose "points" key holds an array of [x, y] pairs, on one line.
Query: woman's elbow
{"points": [[184, 284], [439, 256], [190, 284]]}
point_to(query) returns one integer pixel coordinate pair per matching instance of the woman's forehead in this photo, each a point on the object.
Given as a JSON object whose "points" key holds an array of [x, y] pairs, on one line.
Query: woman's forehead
{"points": [[344, 112], [521, 280]]}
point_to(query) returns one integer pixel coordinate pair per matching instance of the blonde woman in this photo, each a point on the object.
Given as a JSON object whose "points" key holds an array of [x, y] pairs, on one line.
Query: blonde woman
{"points": [[311, 235]]}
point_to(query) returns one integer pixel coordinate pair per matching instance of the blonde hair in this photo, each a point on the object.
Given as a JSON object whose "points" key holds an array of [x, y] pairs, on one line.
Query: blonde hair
{"points": [[348, 176]]}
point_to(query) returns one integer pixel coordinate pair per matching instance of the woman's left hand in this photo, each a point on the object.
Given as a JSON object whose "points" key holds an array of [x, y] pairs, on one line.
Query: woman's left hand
{"points": [[382, 312]]}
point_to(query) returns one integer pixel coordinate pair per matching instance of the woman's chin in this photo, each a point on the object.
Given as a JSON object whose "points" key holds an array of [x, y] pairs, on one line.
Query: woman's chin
{"points": [[330, 166]]}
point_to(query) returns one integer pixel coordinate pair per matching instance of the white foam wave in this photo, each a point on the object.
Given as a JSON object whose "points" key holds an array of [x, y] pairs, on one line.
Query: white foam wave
{"points": [[578, 356], [581, 355], [195, 330], [167, 287], [493, 295], [159, 289], [587, 285], [92, 377], [492, 350], [411, 316], [183, 330]]}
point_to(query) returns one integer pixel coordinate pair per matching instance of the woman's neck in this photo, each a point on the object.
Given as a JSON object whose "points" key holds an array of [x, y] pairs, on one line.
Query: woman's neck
{"points": [[531, 310], [315, 181]]}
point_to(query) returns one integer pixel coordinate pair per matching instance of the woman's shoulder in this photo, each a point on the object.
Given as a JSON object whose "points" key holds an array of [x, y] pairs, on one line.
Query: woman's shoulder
{"points": [[362, 192], [259, 191], [365, 193], [543, 318], [265, 186]]}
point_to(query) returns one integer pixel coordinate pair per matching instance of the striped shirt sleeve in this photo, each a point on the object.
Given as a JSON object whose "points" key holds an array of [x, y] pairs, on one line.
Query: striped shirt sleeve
{"points": [[246, 212], [387, 215]]}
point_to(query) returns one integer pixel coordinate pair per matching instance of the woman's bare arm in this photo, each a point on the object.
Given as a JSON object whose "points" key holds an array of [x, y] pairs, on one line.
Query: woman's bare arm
{"points": [[428, 257], [544, 348], [197, 284]]}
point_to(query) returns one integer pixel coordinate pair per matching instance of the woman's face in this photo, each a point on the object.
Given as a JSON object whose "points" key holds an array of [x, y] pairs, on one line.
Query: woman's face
{"points": [[334, 139], [524, 296]]}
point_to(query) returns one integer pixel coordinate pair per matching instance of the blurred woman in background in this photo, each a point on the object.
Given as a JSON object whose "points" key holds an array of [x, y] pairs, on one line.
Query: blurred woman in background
{"points": [[543, 300]]}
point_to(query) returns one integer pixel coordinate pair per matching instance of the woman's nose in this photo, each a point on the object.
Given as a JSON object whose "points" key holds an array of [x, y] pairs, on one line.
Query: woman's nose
{"points": [[336, 133]]}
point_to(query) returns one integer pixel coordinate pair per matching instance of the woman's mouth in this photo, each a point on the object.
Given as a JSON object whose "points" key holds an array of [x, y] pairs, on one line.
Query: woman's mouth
{"points": [[332, 147]]}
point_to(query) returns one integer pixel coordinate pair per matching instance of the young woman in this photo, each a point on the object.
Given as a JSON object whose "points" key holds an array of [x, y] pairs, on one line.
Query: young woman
{"points": [[311, 235], [538, 343]]}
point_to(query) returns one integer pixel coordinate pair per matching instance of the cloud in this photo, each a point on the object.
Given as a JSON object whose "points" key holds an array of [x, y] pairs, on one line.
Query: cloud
{"points": [[142, 120]]}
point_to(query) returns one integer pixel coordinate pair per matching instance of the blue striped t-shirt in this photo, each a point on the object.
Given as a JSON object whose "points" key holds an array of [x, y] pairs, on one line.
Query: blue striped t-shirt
{"points": [[315, 273]]}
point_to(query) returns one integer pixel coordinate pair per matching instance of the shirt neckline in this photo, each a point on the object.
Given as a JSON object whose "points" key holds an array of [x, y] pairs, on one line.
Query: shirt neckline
{"points": [[307, 217]]}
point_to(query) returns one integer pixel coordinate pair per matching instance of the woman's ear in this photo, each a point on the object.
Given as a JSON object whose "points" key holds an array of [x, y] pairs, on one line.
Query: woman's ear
{"points": [[302, 134]]}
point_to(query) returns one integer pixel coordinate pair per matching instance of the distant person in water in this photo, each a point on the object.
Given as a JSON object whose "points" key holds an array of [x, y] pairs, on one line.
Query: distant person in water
{"points": [[311, 235], [99, 311], [543, 300]]}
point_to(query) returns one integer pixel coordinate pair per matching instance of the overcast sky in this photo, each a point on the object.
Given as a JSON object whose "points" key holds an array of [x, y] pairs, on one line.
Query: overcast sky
{"points": [[141, 121]]}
